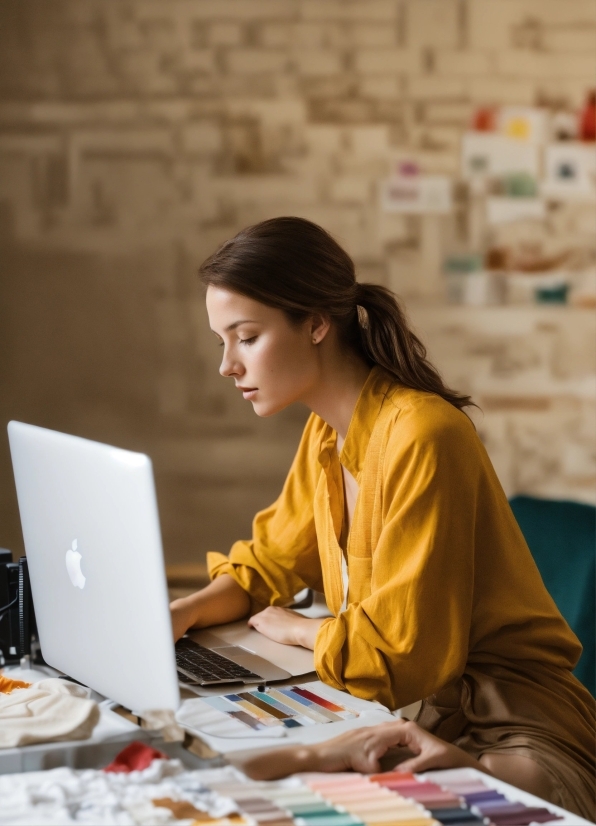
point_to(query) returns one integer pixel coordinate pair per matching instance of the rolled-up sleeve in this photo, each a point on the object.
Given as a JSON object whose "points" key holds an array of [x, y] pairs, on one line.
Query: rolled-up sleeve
{"points": [[282, 557], [409, 638]]}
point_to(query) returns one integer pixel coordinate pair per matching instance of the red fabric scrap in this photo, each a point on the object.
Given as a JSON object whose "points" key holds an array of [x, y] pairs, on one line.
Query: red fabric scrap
{"points": [[135, 757]]}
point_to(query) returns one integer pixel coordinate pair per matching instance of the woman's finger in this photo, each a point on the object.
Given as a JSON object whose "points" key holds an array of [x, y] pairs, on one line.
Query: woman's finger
{"points": [[375, 742], [394, 734], [429, 752], [422, 762]]}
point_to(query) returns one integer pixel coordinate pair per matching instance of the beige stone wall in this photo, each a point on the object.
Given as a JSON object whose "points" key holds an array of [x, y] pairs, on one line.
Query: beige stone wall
{"points": [[135, 135]]}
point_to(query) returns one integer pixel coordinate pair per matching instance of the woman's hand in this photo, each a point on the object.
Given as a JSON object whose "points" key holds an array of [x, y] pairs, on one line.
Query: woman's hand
{"points": [[286, 626], [360, 750], [183, 616]]}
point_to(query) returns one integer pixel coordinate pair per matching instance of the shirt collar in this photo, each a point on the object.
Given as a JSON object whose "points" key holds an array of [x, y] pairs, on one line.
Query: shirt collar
{"points": [[361, 426]]}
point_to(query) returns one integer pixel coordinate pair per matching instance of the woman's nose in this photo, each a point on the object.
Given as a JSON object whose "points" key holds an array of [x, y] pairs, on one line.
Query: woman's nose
{"points": [[229, 367]]}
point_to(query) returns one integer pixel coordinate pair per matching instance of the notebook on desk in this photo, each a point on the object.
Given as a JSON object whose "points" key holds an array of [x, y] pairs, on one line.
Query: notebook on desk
{"points": [[92, 535]]}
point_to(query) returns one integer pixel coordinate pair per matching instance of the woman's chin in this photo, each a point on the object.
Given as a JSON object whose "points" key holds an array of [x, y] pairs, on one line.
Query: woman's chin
{"points": [[263, 409]]}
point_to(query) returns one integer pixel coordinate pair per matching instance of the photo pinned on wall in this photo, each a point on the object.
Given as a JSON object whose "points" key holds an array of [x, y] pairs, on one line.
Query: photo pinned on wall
{"points": [[527, 124], [489, 154], [570, 171], [411, 193]]}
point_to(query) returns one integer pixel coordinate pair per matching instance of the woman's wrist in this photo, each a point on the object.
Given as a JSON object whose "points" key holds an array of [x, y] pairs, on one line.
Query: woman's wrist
{"points": [[189, 608], [192, 609], [306, 632], [223, 600], [184, 611]]}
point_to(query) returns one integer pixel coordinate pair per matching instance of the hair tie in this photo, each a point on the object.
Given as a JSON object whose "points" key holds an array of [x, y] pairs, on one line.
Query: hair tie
{"points": [[362, 316]]}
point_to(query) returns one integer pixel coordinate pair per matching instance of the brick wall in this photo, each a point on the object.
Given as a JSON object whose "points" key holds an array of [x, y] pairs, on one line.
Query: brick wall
{"points": [[135, 135]]}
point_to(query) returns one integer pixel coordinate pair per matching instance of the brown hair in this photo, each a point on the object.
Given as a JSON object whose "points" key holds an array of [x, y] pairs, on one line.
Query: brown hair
{"points": [[295, 266]]}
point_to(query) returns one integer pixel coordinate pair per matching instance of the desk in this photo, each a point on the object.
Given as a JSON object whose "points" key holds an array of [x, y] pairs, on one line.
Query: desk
{"points": [[430, 799], [117, 730]]}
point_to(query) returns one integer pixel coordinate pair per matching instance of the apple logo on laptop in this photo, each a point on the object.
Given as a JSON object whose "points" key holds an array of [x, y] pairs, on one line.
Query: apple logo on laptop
{"points": [[73, 566]]}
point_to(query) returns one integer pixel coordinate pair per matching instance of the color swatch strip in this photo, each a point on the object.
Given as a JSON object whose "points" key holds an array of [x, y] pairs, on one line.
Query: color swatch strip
{"points": [[325, 800], [372, 802], [287, 707], [443, 805], [388, 799], [277, 804], [496, 807]]}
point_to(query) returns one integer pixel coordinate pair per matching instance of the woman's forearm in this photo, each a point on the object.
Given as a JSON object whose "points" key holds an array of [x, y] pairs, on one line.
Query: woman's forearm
{"points": [[403, 742], [223, 600], [272, 764]]}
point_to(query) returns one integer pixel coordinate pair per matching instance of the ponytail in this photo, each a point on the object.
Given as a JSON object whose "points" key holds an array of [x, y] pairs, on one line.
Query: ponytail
{"points": [[295, 266], [388, 341]]}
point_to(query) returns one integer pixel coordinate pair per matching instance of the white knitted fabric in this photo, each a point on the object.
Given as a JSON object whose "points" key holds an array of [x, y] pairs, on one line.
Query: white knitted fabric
{"points": [[50, 710], [64, 796]]}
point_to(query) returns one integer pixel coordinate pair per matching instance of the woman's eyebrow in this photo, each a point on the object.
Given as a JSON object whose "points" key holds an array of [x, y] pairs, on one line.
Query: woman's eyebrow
{"points": [[238, 323]]}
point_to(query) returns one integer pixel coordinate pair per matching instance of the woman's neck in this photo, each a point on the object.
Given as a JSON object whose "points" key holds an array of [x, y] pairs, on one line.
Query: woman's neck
{"points": [[335, 396]]}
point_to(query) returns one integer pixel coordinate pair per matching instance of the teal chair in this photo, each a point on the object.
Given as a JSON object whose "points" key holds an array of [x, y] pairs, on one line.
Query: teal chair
{"points": [[562, 539]]}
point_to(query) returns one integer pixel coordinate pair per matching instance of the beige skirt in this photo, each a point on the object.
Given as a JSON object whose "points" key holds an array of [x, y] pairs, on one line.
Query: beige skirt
{"points": [[539, 712]]}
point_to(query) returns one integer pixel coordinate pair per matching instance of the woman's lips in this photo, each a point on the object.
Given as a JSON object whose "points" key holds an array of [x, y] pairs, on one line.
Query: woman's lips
{"points": [[248, 392]]}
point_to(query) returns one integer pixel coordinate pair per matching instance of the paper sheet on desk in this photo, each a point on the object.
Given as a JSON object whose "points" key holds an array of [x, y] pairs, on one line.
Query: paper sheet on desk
{"points": [[231, 725]]}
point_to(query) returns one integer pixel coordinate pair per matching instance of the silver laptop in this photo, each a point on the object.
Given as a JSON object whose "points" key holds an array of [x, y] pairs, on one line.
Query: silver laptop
{"points": [[91, 530]]}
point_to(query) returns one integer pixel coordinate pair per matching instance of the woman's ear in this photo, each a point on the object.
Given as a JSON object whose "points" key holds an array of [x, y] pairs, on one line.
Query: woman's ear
{"points": [[319, 327]]}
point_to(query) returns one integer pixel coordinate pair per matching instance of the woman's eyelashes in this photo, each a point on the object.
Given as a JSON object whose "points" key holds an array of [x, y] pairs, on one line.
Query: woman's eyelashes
{"points": [[246, 341]]}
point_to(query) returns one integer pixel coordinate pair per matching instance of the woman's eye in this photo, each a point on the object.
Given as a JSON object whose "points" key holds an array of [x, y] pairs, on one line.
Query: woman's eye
{"points": [[248, 340]]}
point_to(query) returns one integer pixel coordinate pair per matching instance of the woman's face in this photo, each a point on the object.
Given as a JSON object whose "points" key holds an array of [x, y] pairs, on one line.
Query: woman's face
{"points": [[273, 362]]}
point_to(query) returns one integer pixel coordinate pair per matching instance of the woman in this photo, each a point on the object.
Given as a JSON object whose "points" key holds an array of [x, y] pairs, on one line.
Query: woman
{"points": [[393, 510]]}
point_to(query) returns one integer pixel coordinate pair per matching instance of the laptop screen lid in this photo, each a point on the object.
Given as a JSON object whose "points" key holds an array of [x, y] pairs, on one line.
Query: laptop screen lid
{"points": [[91, 529]]}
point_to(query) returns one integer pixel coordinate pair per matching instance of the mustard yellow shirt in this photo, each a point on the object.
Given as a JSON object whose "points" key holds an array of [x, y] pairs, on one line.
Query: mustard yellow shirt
{"points": [[440, 577]]}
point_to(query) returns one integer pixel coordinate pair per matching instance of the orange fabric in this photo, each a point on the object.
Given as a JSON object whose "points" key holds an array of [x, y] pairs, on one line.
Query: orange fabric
{"points": [[7, 685], [183, 810]]}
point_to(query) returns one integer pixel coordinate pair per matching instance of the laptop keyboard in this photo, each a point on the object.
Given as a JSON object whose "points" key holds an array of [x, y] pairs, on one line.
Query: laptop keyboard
{"points": [[206, 666]]}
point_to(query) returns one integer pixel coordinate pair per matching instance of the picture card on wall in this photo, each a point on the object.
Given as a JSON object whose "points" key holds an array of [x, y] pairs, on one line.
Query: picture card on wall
{"points": [[489, 155], [527, 124], [417, 194], [570, 171]]}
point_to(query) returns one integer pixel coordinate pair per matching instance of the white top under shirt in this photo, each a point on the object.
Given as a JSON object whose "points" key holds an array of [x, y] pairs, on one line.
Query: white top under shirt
{"points": [[344, 576]]}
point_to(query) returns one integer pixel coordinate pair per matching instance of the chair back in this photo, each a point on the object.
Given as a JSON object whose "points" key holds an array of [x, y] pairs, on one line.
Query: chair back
{"points": [[562, 538]]}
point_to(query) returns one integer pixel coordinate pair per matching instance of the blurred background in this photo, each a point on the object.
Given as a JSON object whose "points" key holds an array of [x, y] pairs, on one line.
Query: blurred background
{"points": [[447, 144]]}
